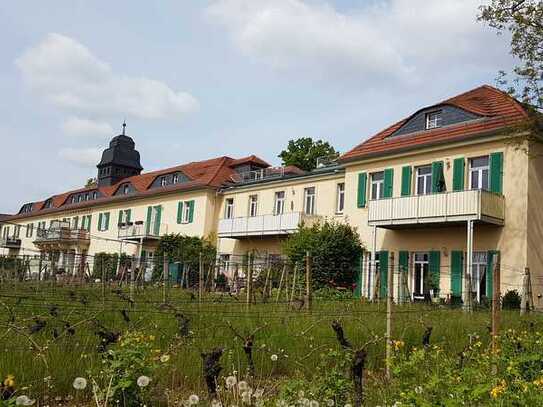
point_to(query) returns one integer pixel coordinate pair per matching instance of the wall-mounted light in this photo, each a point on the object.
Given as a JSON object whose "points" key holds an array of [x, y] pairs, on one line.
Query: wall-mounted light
{"points": [[445, 251], [448, 163]]}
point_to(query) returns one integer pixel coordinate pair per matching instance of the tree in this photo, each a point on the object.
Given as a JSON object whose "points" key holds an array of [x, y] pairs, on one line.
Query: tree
{"points": [[335, 251], [91, 183], [524, 20], [303, 153]]}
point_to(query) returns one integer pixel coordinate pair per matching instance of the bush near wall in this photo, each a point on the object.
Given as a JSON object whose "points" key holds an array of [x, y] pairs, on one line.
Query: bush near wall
{"points": [[105, 264], [335, 251]]}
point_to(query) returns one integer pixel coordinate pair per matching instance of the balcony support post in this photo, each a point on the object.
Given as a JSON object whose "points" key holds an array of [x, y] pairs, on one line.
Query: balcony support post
{"points": [[469, 260], [372, 272]]}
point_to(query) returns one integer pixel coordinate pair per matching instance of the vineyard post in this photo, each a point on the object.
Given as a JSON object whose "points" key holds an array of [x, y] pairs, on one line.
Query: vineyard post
{"points": [[165, 278], [39, 269], [495, 301], [390, 300], [527, 297], [249, 278], [103, 277], [307, 301], [200, 278]]}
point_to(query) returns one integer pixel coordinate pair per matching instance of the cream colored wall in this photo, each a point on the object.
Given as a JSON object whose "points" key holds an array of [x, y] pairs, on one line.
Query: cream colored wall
{"points": [[535, 220], [509, 239], [203, 224], [325, 205]]}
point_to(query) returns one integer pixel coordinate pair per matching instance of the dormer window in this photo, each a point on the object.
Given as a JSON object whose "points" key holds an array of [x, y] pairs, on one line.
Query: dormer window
{"points": [[126, 189], [94, 195], [433, 120], [87, 196], [175, 178], [163, 181], [48, 203]]}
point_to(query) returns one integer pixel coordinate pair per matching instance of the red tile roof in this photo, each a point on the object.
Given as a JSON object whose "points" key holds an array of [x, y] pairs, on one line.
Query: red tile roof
{"points": [[212, 173], [496, 108]]}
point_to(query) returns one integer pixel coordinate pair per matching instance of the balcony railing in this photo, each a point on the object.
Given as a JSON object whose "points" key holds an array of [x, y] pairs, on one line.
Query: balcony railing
{"points": [[10, 242], [263, 225], [444, 207], [62, 235], [140, 230]]}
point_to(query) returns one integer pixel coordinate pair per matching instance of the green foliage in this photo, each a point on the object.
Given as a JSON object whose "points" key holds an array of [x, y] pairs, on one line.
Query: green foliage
{"points": [[335, 250], [332, 293], [105, 264], [131, 358], [303, 153], [511, 300], [183, 249], [524, 20]]}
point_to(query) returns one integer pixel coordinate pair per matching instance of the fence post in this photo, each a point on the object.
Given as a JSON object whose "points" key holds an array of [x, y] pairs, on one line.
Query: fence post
{"points": [[103, 277], [307, 281], [527, 296], [249, 282], [200, 278], [132, 276], [495, 303], [165, 278], [390, 300]]}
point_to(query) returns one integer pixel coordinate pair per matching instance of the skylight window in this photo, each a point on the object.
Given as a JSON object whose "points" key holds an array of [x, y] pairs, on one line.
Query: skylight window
{"points": [[433, 120]]}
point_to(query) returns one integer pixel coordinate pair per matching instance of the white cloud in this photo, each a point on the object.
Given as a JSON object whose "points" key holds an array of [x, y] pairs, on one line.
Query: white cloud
{"points": [[79, 127], [68, 75], [401, 40], [83, 157]]}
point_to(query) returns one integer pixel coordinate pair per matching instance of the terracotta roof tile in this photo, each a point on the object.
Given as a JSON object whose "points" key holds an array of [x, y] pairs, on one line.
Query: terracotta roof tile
{"points": [[495, 108]]}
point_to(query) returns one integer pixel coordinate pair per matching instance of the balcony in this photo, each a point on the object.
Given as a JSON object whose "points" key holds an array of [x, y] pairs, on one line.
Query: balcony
{"points": [[264, 225], [10, 242], [62, 236], [140, 231], [441, 208]]}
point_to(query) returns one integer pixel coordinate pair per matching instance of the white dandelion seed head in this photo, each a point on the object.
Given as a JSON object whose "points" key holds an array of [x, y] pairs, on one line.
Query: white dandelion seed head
{"points": [[258, 393], [194, 399], [313, 403], [301, 394], [418, 389], [242, 386], [231, 381], [273, 357], [164, 358], [80, 383], [24, 401], [330, 403], [143, 381]]}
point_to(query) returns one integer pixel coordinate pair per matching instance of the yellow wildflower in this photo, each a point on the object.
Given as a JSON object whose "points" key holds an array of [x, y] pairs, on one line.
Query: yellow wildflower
{"points": [[498, 390], [9, 381], [539, 382]]}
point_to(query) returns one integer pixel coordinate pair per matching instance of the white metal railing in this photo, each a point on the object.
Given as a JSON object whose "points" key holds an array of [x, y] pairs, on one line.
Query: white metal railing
{"points": [[438, 207], [257, 175], [263, 225], [10, 242], [136, 230], [61, 234]]}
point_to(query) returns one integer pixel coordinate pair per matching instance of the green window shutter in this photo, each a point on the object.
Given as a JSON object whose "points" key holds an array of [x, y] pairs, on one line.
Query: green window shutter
{"points": [[457, 260], [148, 222], [191, 210], [120, 218], [179, 212], [158, 220], [403, 261], [406, 180], [359, 278], [89, 222], [435, 268], [490, 258], [361, 195], [438, 179], [388, 183], [128, 215], [496, 172], [106, 221], [383, 273], [458, 174], [100, 217]]}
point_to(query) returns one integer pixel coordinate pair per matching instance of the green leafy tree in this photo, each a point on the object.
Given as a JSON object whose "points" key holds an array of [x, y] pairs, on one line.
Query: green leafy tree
{"points": [[524, 20], [303, 153], [335, 250]]}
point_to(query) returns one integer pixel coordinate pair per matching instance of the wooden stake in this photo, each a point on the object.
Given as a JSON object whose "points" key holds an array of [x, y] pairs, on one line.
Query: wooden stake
{"points": [[249, 279], [280, 283], [293, 283], [165, 278], [200, 278], [307, 301], [495, 303], [390, 300], [527, 297]]}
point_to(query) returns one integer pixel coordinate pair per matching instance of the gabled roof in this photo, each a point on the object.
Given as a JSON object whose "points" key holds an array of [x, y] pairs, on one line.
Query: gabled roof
{"points": [[212, 173], [496, 108]]}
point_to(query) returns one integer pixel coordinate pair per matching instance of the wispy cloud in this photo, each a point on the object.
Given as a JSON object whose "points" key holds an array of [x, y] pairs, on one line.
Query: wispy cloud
{"points": [[83, 157], [80, 127]]}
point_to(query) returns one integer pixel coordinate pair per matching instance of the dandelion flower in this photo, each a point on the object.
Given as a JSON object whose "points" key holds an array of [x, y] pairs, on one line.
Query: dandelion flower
{"points": [[194, 399], [80, 383], [164, 358], [24, 401], [274, 357], [231, 381], [143, 381], [242, 386]]}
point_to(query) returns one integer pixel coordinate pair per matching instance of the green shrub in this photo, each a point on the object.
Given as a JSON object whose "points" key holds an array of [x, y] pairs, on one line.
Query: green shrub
{"points": [[511, 300]]}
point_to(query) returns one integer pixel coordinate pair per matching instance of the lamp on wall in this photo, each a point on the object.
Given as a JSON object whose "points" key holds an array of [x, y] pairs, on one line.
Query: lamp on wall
{"points": [[448, 163], [445, 251]]}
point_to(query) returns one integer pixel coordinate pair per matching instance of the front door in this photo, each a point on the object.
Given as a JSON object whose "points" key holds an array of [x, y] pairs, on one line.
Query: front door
{"points": [[420, 276]]}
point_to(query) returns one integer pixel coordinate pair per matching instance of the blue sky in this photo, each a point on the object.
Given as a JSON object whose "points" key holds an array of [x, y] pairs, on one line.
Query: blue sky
{"points": [[199, 79]]}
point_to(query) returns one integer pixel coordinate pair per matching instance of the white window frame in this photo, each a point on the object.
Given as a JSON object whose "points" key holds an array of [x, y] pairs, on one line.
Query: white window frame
{"points": [[433, 119], [29, 229], [17, 232], [279, 202], [102, 222], [340, 197], [126, 189], [124, 216], [420, 263], [229, 208], [310, 194], [427, 180], [185, 213], [479, 268], [253, 206], [175, 178], [379, 184], [5, 232], [480, 173], [163, 181], [94, 195]]}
